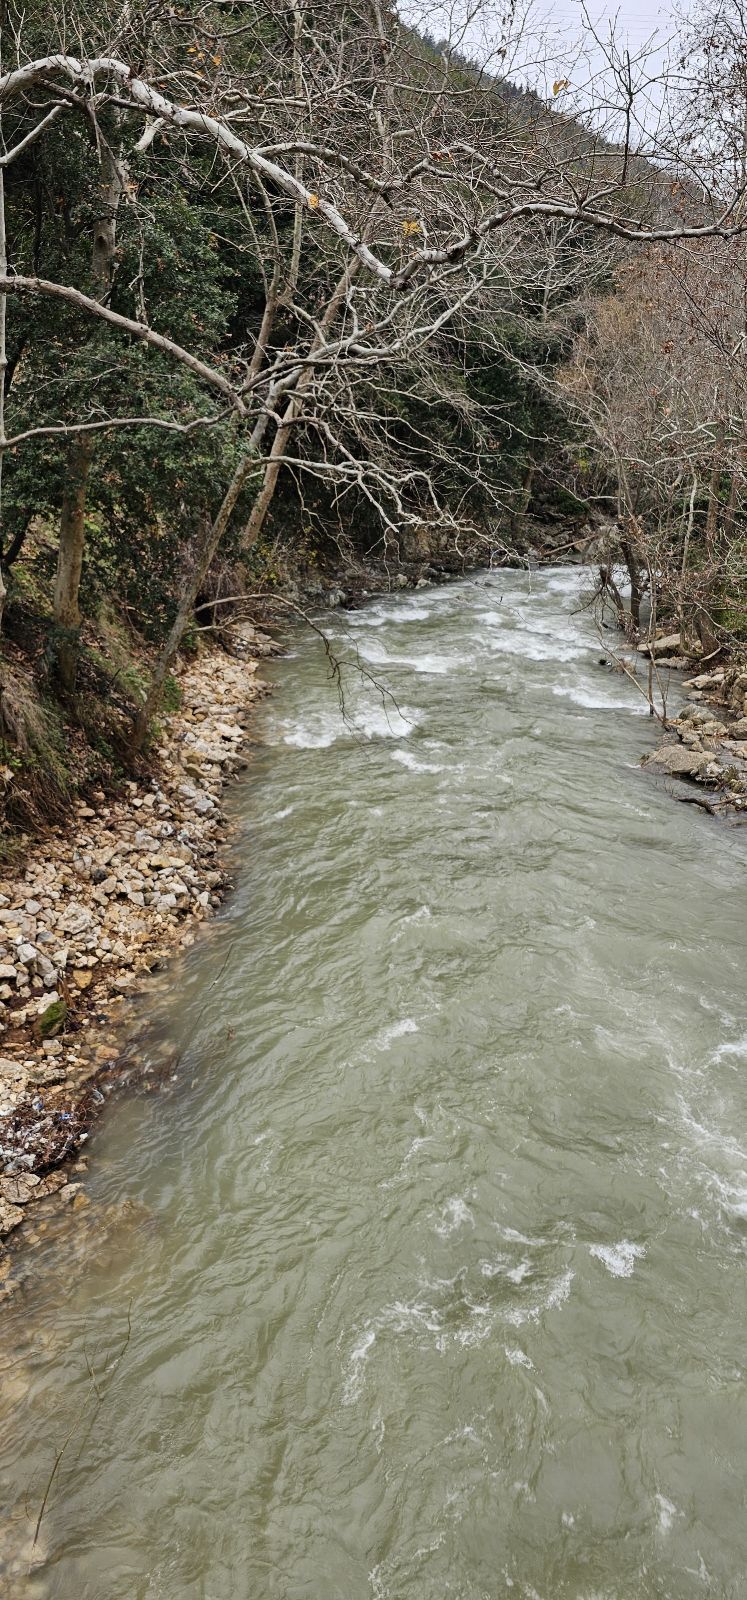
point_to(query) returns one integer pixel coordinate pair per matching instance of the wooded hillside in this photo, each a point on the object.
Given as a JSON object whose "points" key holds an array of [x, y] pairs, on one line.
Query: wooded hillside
{"points": [[286, 290]]}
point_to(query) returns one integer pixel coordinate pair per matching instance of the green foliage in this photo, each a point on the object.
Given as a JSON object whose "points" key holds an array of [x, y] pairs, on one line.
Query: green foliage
{"points": [[52, 1020], [171, 696]]}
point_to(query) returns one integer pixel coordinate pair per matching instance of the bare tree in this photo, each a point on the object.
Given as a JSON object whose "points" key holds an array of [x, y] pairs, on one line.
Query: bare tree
{"points": [[389, 191]]}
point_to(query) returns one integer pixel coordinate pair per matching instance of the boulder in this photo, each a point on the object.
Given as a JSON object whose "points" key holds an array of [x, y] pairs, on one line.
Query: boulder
{"points": [[10, 1216], [678, 760], [17, 1190], [666, 646], [705, 680]]}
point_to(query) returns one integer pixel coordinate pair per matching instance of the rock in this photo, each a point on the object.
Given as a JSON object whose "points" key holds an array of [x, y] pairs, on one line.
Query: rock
{"points": [[661, 647], [10, 1216], [82, 977], [76, 918], [47, 971], [738, 730], [705, 680], [47, 1075], [27, 954], [6, 971], [18, 1189], [679, 761], [50, 1185], [32, 908]]}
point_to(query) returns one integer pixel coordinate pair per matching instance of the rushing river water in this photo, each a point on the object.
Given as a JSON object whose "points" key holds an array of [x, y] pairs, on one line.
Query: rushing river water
{"points": [[435, 1252]]}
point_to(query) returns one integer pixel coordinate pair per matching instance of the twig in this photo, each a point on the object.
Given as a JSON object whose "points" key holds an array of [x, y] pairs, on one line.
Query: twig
{"points": [[100, 1397]]}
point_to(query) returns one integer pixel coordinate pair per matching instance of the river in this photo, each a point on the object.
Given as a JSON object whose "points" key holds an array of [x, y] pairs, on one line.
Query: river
{"points": [[433, 1254]]}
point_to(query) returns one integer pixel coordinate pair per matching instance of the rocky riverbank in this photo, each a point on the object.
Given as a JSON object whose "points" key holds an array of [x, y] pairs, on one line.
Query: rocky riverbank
{"points": [[102, 904], [705, 744]]}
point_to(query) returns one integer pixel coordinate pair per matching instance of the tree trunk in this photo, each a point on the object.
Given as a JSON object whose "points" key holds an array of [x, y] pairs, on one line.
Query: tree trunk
{"points": [[714, 501], [204, 555], [3, 378], [292, 412], [635, 584], [211, 541], [73, 512], [70, 560], [272, 472], [709, 643]]}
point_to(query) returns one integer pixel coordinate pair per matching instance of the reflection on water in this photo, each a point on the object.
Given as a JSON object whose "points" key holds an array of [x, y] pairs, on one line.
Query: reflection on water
{"points": [[434, 1254]]}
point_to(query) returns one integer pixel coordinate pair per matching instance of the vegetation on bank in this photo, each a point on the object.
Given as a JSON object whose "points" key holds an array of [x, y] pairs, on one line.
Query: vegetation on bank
{"points": [[289, 292]]}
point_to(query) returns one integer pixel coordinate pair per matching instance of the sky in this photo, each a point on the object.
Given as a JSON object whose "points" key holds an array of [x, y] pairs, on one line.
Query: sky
{"points": [[643, 29], [635, 19], [567, 43], [571, 39]]}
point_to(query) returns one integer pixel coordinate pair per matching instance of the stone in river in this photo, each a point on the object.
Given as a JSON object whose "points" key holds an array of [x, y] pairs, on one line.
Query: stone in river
{"points": [[10, 1216], [18, 1189], [678, 760]]}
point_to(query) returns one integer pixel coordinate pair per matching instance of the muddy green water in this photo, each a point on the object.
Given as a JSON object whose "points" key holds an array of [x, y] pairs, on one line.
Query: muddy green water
{"points": [[435, 1250]]}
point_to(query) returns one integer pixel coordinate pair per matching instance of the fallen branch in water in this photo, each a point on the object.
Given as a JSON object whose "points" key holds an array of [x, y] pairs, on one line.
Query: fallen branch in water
{"points": [[336, 663]]}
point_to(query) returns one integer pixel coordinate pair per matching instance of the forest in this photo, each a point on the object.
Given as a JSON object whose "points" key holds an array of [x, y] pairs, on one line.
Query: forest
{"points": [[293, 300]]}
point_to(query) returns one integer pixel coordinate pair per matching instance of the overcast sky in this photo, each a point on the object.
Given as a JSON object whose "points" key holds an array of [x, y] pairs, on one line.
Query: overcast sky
{"points": [[636, 20], [564, 43], [550, 41]]}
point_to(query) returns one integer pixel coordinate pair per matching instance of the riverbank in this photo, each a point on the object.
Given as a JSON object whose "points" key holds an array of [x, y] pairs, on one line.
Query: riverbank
{"points": [[705, 744], [104, 903]]}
